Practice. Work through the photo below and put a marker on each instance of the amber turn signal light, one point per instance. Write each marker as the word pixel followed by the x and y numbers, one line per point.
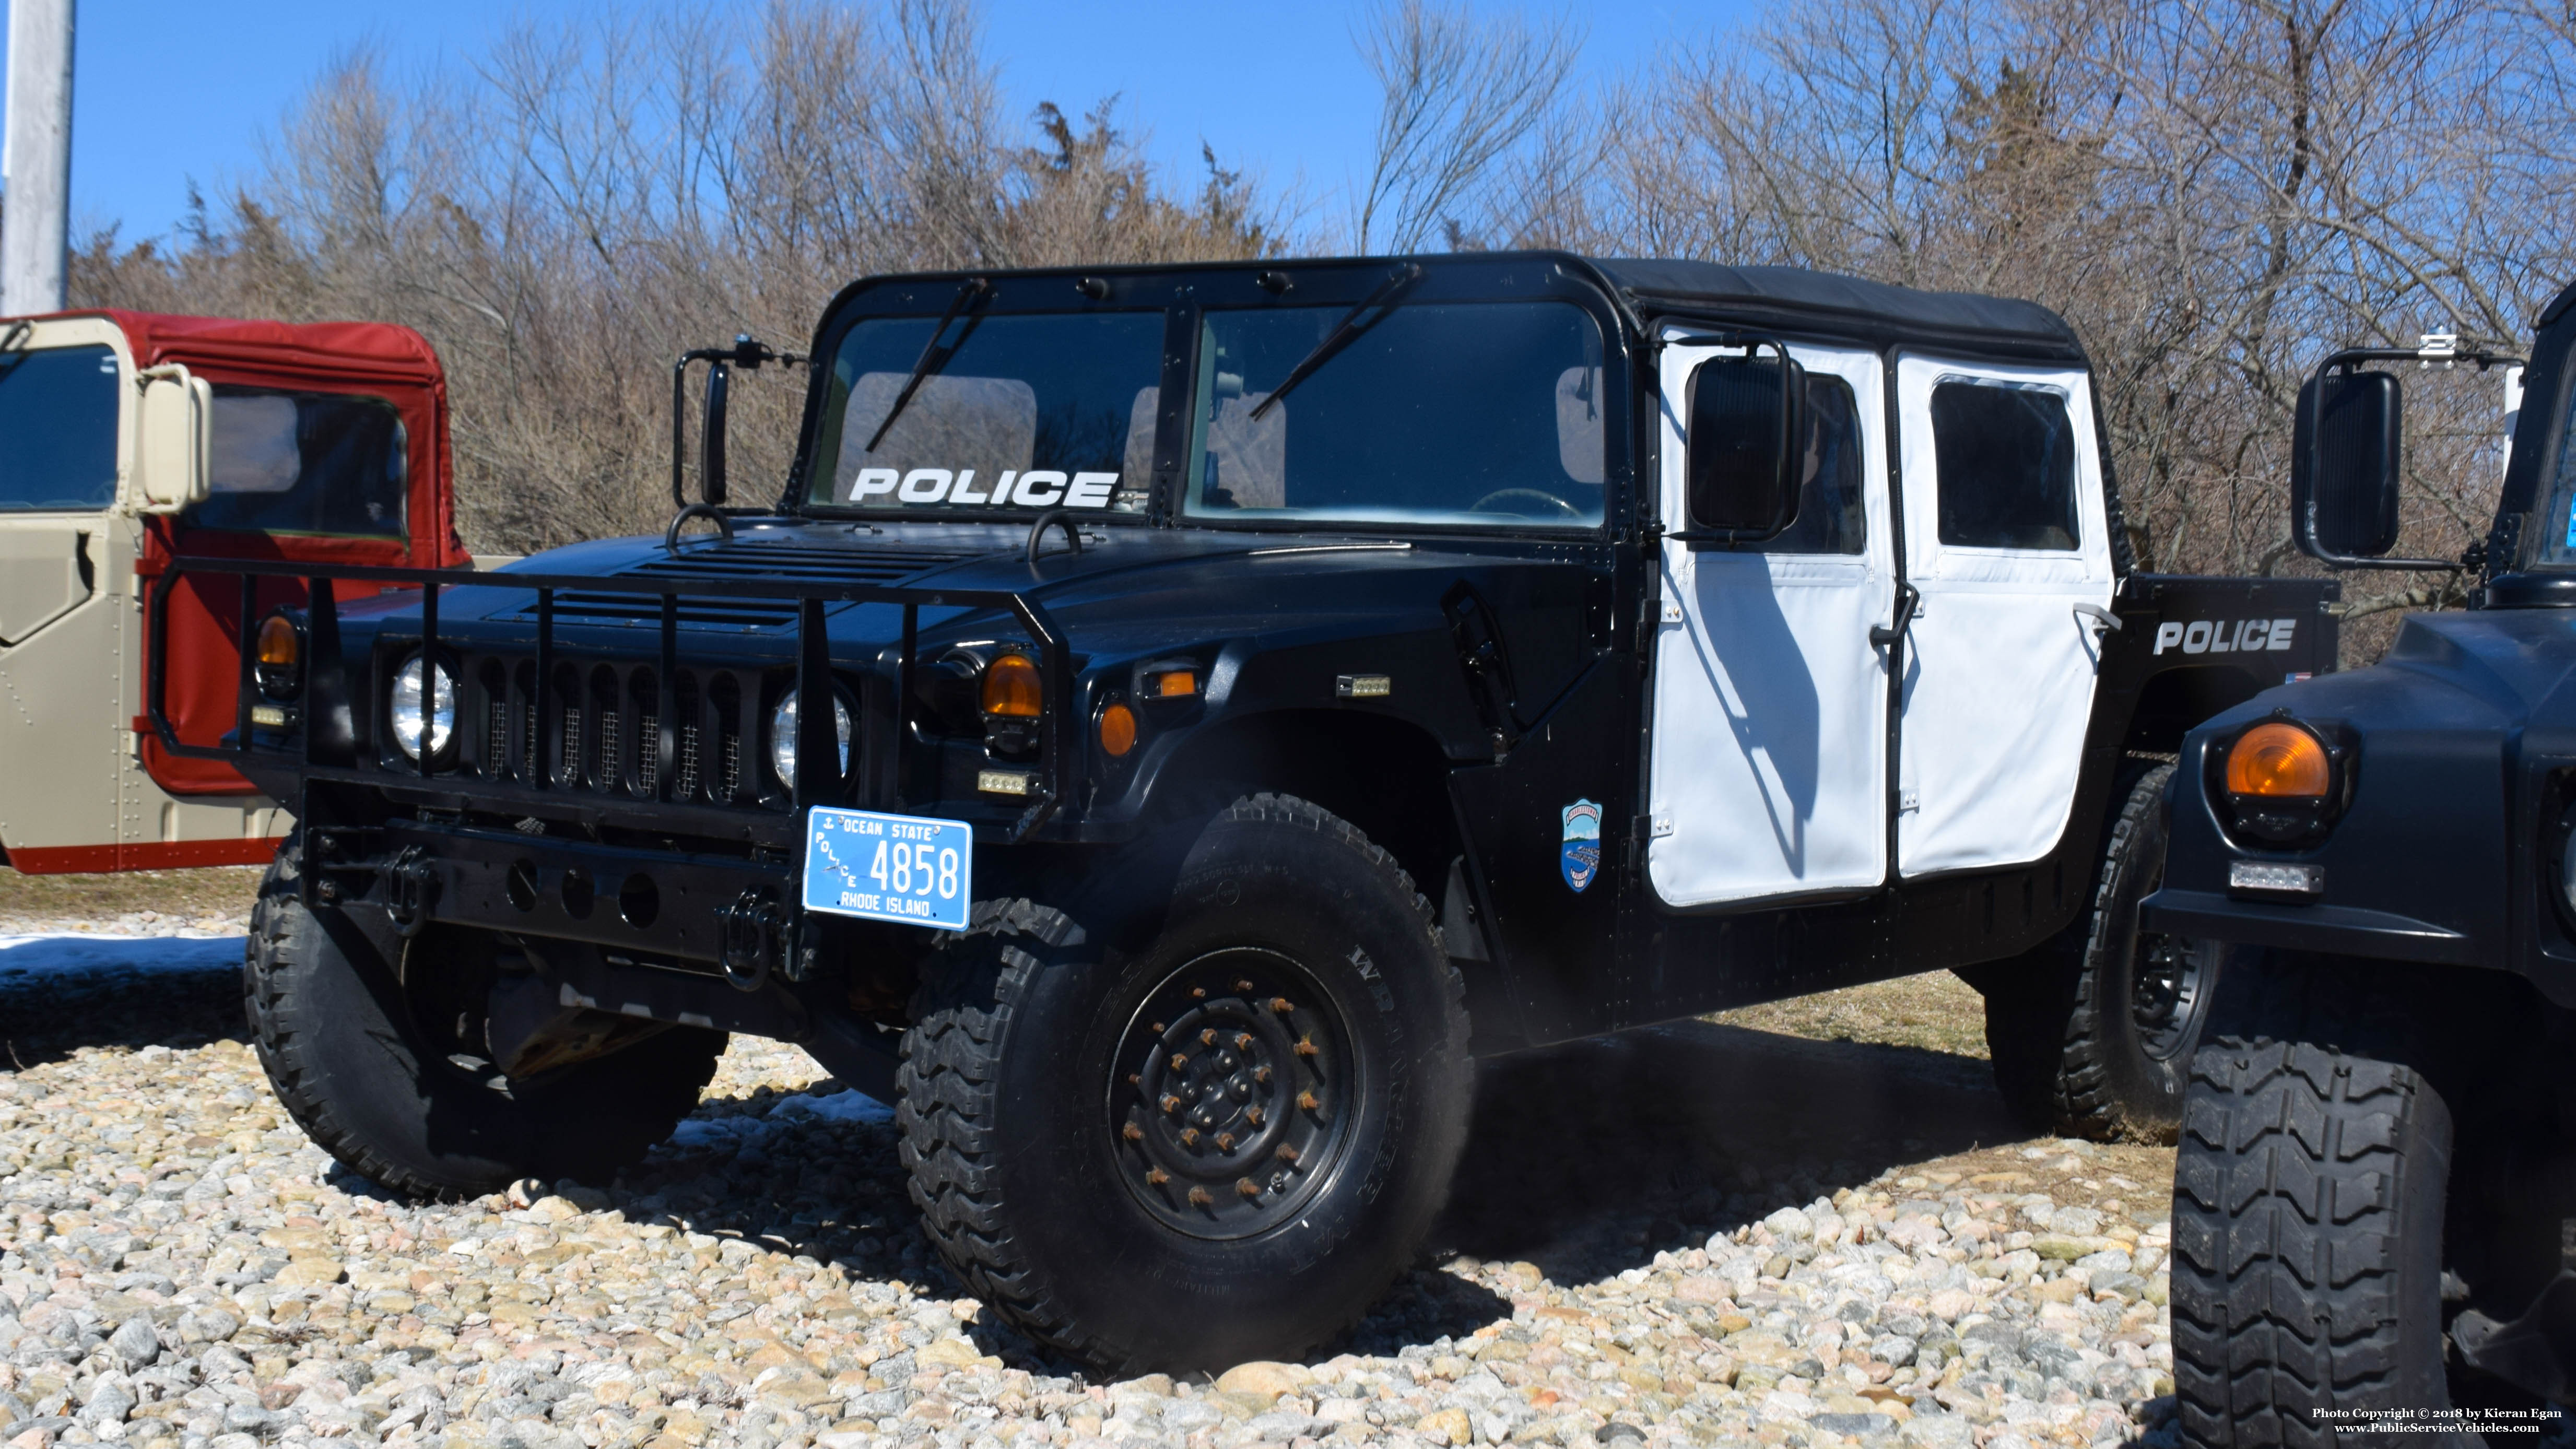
pixel 1174 683
pixel 279 653
pixel 1012 689
pixel 1118 730
pixel 2275 760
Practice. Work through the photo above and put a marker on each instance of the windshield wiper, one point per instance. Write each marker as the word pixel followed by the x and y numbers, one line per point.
pixel 1342 332
pixel 932 359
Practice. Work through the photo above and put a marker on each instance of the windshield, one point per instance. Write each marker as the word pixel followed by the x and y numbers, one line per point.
pixel 1022 411
pixel 58 428
pixel 1470 413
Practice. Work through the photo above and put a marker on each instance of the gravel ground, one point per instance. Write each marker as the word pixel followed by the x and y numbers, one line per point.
pixel 1696 1234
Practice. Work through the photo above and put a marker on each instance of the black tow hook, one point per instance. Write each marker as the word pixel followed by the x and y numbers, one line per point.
pixel 410 881
pixel 752 938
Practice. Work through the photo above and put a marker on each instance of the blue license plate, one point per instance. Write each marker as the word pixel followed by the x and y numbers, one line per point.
pixel 901 868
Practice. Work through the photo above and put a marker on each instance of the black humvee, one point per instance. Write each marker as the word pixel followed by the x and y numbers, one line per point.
pixel 2375 1198
pixel 1254 692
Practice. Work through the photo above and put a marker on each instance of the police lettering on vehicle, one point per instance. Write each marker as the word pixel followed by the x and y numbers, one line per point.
pixel 2226 636
pixel 1036 488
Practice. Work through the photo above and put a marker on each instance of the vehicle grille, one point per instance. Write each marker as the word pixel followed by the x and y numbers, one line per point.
pixel 806 565
pixel 601 733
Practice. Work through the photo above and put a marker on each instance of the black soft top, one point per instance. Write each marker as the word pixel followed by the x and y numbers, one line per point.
pixel 1799 301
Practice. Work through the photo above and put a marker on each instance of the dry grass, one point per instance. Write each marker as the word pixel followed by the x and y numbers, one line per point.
pixel 191 894
pixel 1935 1012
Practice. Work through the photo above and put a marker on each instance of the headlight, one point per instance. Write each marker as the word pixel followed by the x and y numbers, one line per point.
pixel 279 655
pixel 405 707
pixel 782 737
pixel 2282 783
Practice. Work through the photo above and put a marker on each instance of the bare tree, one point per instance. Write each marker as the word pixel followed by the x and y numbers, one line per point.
pixel 1459 93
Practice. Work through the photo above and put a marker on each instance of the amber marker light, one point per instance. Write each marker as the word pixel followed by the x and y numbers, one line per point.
pixel 1118 730
pixel 2279 761
pixel 1012 689
pixel 279 653
pixel 1174 683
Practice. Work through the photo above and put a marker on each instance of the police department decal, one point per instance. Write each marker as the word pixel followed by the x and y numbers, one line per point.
pixel 1580 856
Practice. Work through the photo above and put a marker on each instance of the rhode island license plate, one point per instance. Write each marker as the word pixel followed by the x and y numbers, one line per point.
pixel 901 868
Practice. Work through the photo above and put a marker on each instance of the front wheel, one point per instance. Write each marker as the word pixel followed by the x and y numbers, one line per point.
pixel 370 1044
pixel 2307 1245
pixel 1215 1144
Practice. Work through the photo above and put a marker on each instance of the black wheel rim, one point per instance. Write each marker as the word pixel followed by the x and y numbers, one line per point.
pixel 1229 1094
pixel 2169 981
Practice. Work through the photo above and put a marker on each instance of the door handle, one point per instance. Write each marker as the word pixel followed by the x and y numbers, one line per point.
pixel 1908 602
pixel 2104 621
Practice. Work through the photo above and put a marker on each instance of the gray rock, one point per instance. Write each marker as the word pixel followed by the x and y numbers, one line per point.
pixel 882 1405
pixel 1279 1428
pixel 1894 1350
pixel 1853 1424
pixel 1937 1431
pixel 135 1342
pixel 1187 1416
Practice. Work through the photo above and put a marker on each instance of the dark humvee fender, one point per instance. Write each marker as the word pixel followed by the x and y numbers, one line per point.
pixel 1255 690
pixel 2375 1199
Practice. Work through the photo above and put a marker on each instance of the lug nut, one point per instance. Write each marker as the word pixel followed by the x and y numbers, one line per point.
pixel 1134 1080
pixel 1156 1176
pixel 1171 1104
pixel 1208 1037
pixel 1189 1137
pixel 1199 1197
pixel 1282 1005
pixel 1253 1115
pixel 1199 991
pixel 1225 1142
pixel 1261 1074
pixel 1309 1102
pixel 1243 1041
pixel 1155 1027
pixel 1245 985
pixel 1245 1186
pixel 1287 1153
pixel 1132 1132
pixel 1305 1046
pixel 1179 1061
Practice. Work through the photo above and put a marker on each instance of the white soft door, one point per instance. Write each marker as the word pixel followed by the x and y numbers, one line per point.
pixel 1769 764
pixel 2005 537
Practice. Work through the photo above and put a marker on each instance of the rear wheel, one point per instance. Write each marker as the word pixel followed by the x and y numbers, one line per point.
pixel 1215 1141
pixel 2092 1033
pixel 370 1043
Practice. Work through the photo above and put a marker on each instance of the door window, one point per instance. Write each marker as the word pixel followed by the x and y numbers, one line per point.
pixel 57 429
pixel 306 463
pixel 2006 459
pixel 1830 504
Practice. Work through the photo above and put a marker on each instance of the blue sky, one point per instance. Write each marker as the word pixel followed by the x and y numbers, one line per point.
pixel 168 92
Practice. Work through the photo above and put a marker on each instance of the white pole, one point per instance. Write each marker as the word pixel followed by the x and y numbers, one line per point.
pixel 36 166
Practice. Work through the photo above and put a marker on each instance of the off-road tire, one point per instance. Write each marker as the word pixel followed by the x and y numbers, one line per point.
pixel 1009 1138
pixel 2070 1056
pixel 356 1072
pixel 2307 1243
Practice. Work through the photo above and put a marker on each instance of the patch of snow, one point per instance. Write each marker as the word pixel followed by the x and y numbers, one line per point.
pixel 86 955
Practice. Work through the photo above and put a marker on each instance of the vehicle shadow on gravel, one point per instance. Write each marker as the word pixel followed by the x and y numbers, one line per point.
pixel 177 993
pixel 1589 1158
pixel 1585 1160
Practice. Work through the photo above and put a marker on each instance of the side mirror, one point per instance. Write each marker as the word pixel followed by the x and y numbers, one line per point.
pixel 1746 416
pixel 711 436
pixel 174 438
pixel 2344 465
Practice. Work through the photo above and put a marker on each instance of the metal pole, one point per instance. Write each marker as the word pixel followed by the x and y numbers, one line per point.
pixel 36 166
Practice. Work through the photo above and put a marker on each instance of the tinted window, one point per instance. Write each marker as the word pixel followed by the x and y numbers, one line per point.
pixel 1830 516
pixel 58 428
pixel 1484 413
pixel 306 462
pixel 2006 457
pixel 1026 411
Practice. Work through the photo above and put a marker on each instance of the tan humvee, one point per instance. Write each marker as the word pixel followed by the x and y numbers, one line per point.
pixel 127 439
